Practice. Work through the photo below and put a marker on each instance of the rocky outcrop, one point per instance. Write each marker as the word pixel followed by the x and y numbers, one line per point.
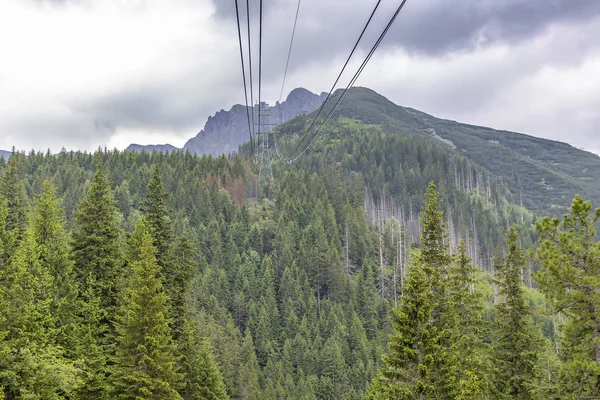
pixel 162 148
pixel 224 132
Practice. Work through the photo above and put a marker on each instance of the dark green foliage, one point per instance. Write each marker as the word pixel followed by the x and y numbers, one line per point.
pixel 422 360
pixel 51 237
pixel 408 371
pixel 154 208
pixel 145 361
pixel 570 257
pixel 285 298
pixel 517 340
pixel 12 190
pixel 468 328
pixel 96 249
pixel 203 379
pixel 32 363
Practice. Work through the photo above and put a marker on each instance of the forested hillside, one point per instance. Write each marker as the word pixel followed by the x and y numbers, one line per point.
pixel 376 266
pixel 542 174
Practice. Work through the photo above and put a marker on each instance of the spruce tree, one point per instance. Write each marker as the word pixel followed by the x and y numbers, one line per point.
pixel 54 254
pixel 176 262
pixel 202 378
pixel 436 257
pixel 187 266
pixel 248 382
pixel 96 249
pixel 468 327
pixel 97 261
pixel 408 370
pixel 94 356
pixel 154 208
pixel 569 254
pixel 4 301
pixel 145 361
pixel 33 365
pixel 517 343
pixel 12 189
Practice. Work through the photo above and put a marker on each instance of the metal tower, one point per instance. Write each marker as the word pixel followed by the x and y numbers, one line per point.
pixel 266 173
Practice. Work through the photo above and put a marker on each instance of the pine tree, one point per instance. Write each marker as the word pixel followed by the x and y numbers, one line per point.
pixel 4 301
pixel 248 387
pixel 435 251
pixel 12 189
pixel 436 257
pixel 569 254
pixel 146 363
pixel 154 208
pixel 176 263
pixel 468 327
pixel 50 235
pixel 516 348
pixel 33 365
pixel 203 380
pixel 96 250
pixel 184 257
pixel 93 354
pixel 407 372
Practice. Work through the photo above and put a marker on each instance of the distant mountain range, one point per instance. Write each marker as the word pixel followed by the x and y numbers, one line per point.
pixel 224 132
pixel 161 148
pixel 5 154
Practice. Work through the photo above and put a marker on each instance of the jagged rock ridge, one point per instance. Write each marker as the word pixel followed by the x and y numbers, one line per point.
pixel 227 130
pixel 224 132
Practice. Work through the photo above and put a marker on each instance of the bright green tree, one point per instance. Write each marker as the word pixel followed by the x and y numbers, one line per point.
pixel 468 327
pixel 569 254
pixel 51 237
pixel 146 362
pixel 33 366
pixel 517 342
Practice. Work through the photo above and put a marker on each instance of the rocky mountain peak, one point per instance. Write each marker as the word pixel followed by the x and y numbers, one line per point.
pixel 224 132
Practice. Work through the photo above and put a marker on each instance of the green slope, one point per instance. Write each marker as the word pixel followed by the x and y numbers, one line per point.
pixel 545 173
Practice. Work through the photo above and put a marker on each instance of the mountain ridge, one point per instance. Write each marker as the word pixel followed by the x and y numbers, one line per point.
pixel 225 131
pixel 558 169
pixel 161 148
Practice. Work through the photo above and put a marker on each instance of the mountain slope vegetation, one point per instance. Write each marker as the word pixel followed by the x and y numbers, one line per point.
pixel 543 172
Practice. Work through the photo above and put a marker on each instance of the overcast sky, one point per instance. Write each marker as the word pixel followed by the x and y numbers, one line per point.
pixel 89 73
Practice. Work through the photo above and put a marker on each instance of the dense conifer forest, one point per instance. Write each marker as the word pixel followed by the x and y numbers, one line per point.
pixel 378 266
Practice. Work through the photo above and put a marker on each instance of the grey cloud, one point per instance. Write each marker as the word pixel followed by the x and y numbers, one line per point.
pixel 169 104
pixel 424 27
